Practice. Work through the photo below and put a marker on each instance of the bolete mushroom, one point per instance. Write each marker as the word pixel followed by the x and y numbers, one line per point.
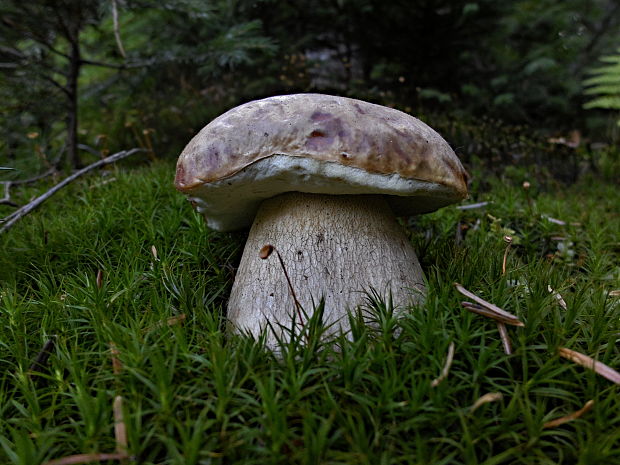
pixel 321 178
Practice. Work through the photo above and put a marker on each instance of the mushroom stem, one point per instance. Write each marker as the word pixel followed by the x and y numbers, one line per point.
pixel 334 247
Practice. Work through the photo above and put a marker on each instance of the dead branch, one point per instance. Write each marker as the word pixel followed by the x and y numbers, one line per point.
pixel 117 34
pixel 6 200
pixel 10 220
pixel 36 178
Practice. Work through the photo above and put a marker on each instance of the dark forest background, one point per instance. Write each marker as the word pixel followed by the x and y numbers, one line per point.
pixel 505 82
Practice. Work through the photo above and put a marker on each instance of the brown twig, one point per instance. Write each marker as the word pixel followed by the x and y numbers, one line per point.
pixel 120 429
pixel 446 368
pixel 480 310
pixel 558 297
pixel 10 220
pixel 485 399
pixel 588 362
pixel 571 416
pixel 503 334
pixel 487 309
pixel 86 458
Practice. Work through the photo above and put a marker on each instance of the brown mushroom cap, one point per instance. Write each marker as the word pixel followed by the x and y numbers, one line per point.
pixel 319 144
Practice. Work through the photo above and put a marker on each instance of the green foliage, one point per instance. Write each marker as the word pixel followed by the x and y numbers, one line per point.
pixel 604 85
pixel 194 393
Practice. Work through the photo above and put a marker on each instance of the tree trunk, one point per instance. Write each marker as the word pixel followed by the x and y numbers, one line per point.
pixel 75 63
pixel 333 247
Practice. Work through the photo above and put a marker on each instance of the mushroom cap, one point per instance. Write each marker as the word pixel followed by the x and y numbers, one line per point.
pixel 316 143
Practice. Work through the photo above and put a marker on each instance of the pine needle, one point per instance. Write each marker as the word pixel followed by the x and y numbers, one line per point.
pixel 492 311
pixel 446 368
pixel 485 399
pixel 558 297
pixel 571 416
pixel 588 362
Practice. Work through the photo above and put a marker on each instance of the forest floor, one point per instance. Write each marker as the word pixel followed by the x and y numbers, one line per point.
pixel 115 289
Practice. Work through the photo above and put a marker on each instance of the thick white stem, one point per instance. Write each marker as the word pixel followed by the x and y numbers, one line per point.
pixel 335 247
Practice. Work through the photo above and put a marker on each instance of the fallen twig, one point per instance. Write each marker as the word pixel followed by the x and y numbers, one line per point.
pixel 6 200
pixel 571 416
pixel 559 222
pixel 86 458
pixel 10 220
pixel 480 310
pixel 503 334
pixel 446 368
pixel 487 309
pixel 588 362
pixel 485 399
pixel 120 429
pixel 558 297
pixel 472 206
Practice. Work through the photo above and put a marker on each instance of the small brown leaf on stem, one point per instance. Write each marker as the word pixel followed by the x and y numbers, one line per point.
pixel 446 368
pixel 99 279
pixel 265 251
pixel 485 399
pixel 571 416
pixel 508 318
pixel 588 362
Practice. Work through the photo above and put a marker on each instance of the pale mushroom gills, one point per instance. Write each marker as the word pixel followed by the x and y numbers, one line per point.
pixel 322 179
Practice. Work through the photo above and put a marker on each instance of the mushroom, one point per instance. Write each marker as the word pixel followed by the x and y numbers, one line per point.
pixel 320 178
